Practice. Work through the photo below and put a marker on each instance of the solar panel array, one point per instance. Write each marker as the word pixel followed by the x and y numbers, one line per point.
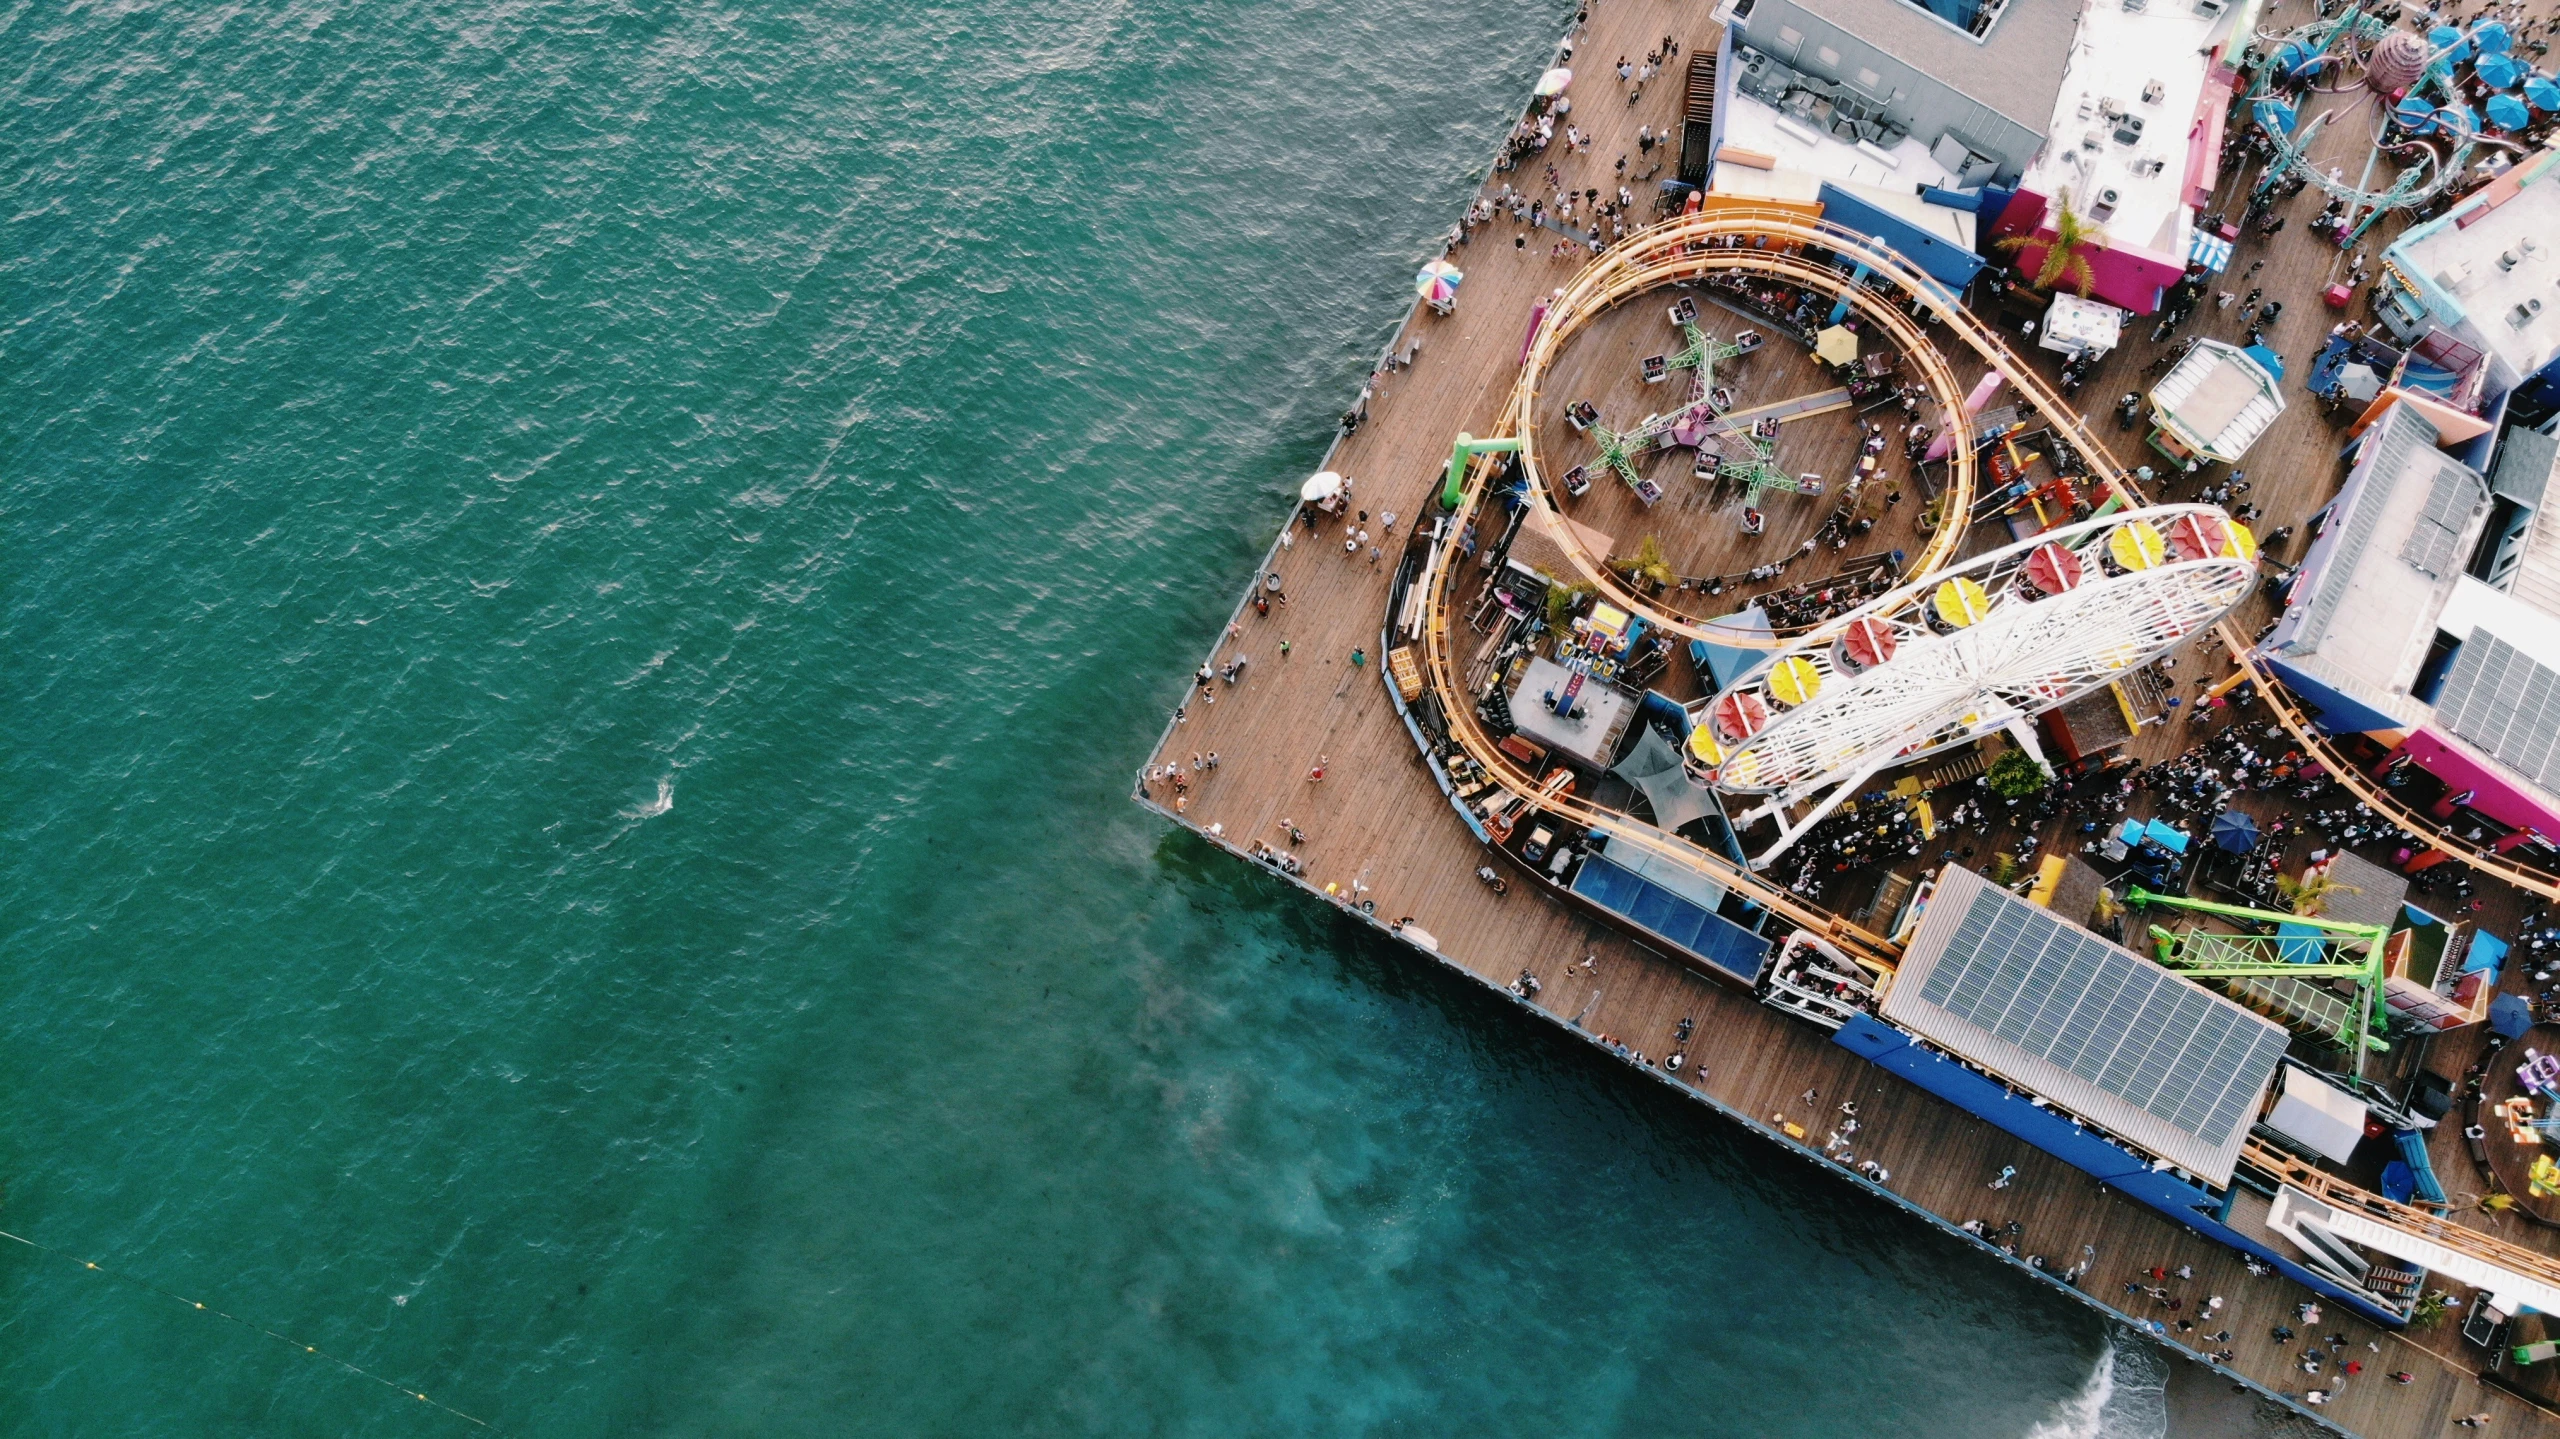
pixel 2433 545
pixel 2167 1064
pixel 2501 700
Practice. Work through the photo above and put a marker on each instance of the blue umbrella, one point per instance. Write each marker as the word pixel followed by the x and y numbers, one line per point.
pixel 2499 72
pixel 2416 113
pixel 2234 832
pixel 2542 93
pixel 2458 121
pixel 2492 37
pixel 2509 1016
pixel 2450 42
pixel 2508 113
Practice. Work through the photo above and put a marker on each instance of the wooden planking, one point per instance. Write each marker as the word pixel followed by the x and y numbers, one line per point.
pixel 1378 829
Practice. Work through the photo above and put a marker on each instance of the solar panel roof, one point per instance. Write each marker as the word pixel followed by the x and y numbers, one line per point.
pixel 2500 699
pixel 2099 1031
pixel 2435 538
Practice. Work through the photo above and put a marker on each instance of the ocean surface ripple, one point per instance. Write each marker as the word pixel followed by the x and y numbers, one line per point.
pixel 583 586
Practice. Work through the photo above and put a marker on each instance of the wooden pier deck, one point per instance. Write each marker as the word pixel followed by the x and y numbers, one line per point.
pixel 1309 739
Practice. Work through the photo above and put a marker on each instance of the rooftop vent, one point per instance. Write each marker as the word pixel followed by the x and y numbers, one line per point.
pixel 2522 315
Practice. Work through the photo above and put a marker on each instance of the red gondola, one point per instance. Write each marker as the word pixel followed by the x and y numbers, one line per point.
pixel 1866 643
pixel 1739 715
pixel 2051 570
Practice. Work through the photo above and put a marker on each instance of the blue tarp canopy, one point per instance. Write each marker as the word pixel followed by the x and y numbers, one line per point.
pixel 1684 922
pixel 1941 257
pixel 2301 943
pixel 2135 831
pixel 2487 952
pixel 1726 663
pixel 2267 360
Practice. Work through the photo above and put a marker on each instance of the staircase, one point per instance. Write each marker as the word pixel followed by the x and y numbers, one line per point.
pixel 1698 118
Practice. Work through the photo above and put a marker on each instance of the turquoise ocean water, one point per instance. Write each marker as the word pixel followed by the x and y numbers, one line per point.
pixel 582 587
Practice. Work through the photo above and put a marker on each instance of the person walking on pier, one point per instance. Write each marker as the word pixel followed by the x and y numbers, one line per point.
pixel 2008 1172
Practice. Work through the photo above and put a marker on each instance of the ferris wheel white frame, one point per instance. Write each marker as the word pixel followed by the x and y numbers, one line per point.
pixel 2022 658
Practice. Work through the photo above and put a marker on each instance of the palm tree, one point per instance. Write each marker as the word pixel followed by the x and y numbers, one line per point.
pixel 2075 237
pixel 2309 895
pixel 1647 564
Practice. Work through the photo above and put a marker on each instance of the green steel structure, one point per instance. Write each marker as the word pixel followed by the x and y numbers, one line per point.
pixel 2336 950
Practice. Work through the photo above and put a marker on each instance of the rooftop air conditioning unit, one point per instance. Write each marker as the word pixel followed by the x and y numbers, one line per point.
pixel 2454 276
pixel 2508 259
pixel 2135 7
pixel 2522 315
pixel 2106 205
pixel 2129 130
pixel 2212 8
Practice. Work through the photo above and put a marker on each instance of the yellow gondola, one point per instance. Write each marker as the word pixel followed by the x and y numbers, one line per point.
pixel 2136 546
pixel 1794 680
pixel 1703 747
pixel 1960 602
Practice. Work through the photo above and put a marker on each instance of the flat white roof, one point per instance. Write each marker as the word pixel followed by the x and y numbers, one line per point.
pixel 2219 398
pixel 2117 57
pixel 2463 256
pixel 1755 125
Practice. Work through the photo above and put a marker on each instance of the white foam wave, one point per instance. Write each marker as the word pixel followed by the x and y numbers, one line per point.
pixel 2126 1396
pixel 665 801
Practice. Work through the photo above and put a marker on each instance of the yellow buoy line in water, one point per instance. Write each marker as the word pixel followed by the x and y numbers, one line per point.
pixel 140 1283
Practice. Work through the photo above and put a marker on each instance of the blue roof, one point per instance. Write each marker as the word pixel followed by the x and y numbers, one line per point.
pixel 1691 926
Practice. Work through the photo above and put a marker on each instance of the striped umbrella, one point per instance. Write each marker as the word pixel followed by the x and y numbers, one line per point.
pixel 1438 282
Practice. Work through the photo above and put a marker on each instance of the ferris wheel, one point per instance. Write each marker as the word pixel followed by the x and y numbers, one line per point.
pixel 1984 645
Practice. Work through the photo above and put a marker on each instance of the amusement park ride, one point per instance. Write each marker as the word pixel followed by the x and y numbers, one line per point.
pixel 1745 456
pixel 2285 966
pixel 1986 645
pixel 2407 88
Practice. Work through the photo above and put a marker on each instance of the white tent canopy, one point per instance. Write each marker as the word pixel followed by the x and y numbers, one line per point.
pixel 2318 1115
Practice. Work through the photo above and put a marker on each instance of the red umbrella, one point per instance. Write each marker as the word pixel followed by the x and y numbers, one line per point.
pixel 2198 536
pixel 2053 570
pixel 1867 642
pixel 1739 715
